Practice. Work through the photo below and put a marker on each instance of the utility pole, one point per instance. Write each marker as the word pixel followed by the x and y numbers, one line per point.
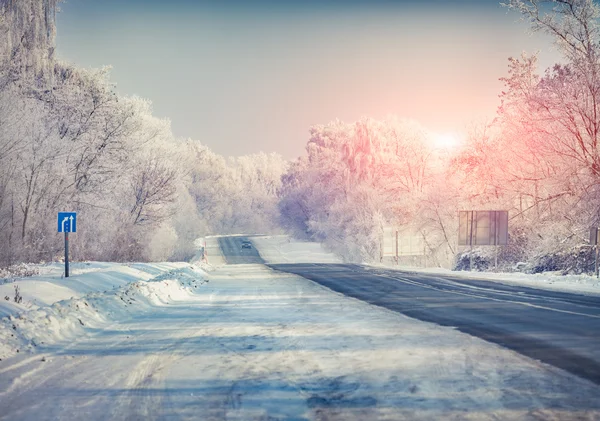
pixel 594 242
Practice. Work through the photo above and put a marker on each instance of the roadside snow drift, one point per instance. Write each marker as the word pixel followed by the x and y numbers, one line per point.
pixel 41 319
pixel 50 286
pixel 577 284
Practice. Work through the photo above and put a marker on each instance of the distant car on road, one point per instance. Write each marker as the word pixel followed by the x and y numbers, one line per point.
pixel 246 245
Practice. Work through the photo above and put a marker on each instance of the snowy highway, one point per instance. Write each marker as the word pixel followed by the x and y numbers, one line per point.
pixel 233 252
pixel 253 343
pixel 558 328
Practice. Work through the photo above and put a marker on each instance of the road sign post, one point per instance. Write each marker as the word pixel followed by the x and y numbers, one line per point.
pixel 397 254
pixel 67 222
pixel 594 234
pixel 471 242
pixel 66 254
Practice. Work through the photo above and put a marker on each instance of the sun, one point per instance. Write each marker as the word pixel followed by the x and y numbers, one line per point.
pixel 445 140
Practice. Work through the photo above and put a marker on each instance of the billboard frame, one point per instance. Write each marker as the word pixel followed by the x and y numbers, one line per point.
pixel 482 228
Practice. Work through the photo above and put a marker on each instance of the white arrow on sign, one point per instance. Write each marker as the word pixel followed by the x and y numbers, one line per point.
pixel 65 219
pixel 71 224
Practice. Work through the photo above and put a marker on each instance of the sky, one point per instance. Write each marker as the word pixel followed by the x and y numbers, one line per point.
pixel 249 76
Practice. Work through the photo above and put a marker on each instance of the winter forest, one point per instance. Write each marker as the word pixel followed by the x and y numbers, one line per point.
pixel 69 142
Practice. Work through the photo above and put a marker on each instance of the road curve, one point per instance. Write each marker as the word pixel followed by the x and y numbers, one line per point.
pixel 557 328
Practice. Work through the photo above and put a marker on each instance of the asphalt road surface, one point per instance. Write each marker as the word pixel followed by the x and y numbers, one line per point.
pixel 557 328
pixel 234 254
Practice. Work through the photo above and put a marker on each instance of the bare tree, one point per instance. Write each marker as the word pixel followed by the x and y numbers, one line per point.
pixel 154 189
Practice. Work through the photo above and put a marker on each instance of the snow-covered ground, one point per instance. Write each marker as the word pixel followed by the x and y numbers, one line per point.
pixel 581 284
pixel 244 342
pixel 214 257
pixel 253 344
pixel 282 249
pixel 51 286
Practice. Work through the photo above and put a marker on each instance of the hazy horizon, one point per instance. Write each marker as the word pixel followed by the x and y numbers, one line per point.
pixel 243 78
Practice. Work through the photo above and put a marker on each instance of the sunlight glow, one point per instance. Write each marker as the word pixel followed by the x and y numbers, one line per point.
pixel 445 140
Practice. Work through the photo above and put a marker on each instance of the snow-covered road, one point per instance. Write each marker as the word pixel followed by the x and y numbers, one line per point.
pixel 253 344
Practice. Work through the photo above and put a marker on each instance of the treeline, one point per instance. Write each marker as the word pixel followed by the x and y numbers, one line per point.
pixel 539 159
pixel 68 142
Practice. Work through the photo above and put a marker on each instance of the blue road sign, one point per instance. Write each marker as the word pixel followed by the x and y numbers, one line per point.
pixel 67 222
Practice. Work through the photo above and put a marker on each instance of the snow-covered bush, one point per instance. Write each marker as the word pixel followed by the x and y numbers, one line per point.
pixel 479 259
pixel 577 260
pixel 20 270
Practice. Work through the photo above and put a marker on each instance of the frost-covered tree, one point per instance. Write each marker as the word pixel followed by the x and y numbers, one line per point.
pixel 238 195
pixel 358 178
pixel 69 142
pixel 548 153
pixel 27 43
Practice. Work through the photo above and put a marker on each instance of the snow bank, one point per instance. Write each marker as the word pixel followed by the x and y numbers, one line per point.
pixel 138 288
pixel 214 256
pixel 278 249
pixel 50 286
pixel 580 284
